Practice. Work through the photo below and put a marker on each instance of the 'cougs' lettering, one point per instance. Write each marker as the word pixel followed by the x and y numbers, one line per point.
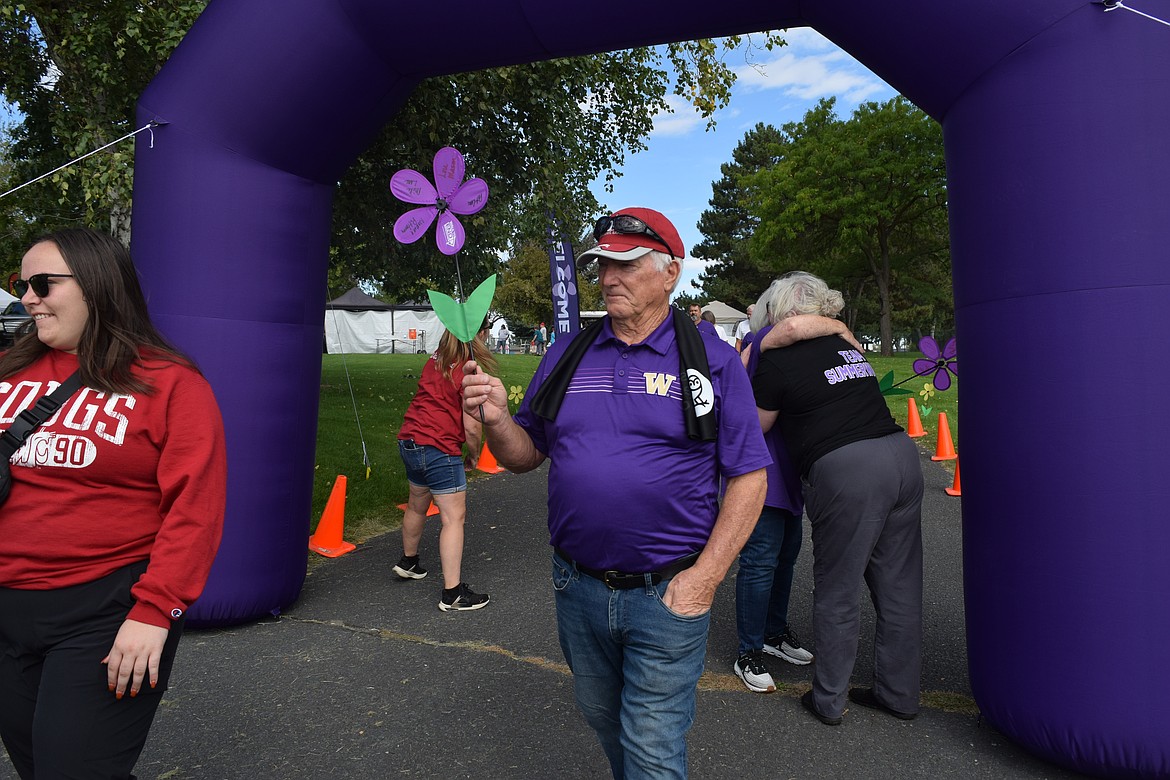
pixel 100 413
pixel 88 411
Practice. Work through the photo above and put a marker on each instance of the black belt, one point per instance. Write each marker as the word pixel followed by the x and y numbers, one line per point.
pixel 618 580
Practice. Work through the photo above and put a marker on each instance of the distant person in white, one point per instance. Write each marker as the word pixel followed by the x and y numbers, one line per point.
pixel 742 329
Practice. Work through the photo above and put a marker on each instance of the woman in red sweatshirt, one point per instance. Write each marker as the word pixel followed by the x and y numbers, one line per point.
pixel 114 515
pixel 430 443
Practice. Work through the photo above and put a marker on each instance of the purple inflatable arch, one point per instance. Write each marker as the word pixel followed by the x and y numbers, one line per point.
pixel 1055 116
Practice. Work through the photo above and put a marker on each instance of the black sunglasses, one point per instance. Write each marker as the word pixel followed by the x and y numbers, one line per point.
pixel 38 282
pixel 624 223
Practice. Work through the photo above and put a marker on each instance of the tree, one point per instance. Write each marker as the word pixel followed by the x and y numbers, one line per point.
pixel 24 213
pixel 75 69
pixel 539 133
pixel 732 275
pixel 860 202
pixel 523 291
pixel 548 131
pixel 683 300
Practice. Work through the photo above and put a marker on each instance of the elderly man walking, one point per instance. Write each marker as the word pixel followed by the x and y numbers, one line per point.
pixel 640 416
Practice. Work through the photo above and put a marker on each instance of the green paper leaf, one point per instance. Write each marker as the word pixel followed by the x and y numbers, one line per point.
pixel 464 319
pixel 885 384
pixel 927 410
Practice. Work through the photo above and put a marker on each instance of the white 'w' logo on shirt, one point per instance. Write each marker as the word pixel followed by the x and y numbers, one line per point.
pixel 658 384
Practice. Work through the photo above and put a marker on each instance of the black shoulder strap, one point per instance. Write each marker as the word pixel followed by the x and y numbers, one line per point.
pixel 547 401
pixel 692 356
pixel 32 418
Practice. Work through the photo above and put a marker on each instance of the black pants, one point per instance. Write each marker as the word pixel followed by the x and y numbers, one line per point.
pixel 58 717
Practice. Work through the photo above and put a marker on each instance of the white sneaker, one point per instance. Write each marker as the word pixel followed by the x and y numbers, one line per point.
pixel 750 668
pixel 787 646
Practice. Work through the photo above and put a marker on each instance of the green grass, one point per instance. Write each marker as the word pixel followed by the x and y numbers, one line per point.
pixel 383 386
pixel 947 403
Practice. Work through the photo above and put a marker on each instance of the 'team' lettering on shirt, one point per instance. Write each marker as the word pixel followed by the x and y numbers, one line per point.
pixel 855 367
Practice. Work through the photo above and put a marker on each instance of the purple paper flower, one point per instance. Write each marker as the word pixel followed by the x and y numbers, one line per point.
pixel 450 195
pixel 943 363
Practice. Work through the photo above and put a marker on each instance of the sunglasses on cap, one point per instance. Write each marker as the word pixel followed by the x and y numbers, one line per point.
pixel 38 282
pixel 625 223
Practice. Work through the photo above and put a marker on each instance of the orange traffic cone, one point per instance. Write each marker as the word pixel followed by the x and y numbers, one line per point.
pixel 914 427
pixel 955 490
pixel 944 450
pixel 327 541
pixel 431 510
pixel 487 461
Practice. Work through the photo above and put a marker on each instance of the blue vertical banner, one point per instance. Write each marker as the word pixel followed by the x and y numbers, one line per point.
pixel 566 318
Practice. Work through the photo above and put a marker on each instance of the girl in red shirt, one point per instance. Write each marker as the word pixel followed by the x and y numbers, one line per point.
pixel 430 442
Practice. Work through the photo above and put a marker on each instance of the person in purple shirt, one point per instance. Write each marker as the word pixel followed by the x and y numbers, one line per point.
pixel 704 321
pixel 707 324
pixel 640 416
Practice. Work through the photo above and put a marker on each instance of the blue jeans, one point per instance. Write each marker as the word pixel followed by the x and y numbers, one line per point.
pixel 764 581
pixel 635 668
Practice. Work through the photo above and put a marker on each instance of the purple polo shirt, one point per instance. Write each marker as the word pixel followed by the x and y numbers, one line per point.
pixel 707 328
pixel 627 490
pixel 784 488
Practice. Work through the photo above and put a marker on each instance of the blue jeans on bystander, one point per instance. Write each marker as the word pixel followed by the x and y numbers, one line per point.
pixel 763 583
pixel 635 666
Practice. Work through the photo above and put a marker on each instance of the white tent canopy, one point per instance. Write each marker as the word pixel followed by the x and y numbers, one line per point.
pixel 725 314
pixel 727 318
pixel 356 323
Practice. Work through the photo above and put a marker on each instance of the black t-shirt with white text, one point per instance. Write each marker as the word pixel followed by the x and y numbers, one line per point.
pixel 827 395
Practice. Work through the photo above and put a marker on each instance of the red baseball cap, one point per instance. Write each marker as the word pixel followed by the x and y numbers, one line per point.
pixel 627 246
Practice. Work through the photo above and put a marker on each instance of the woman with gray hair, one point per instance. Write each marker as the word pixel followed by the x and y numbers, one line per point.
pixel 863 496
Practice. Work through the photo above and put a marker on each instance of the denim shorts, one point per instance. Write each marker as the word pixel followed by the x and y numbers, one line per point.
pixel 431 468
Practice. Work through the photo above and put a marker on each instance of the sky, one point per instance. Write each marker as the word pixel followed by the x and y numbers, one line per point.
pixel 675 173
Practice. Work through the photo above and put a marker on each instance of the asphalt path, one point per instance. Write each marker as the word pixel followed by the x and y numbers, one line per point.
pixel 364 677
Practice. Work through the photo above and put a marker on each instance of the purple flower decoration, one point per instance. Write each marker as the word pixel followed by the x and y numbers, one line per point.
pixel 943 363
pixel 449 196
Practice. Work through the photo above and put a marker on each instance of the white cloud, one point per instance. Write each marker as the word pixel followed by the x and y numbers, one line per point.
pixel 683 120
pixel 811 67
pixel 806 39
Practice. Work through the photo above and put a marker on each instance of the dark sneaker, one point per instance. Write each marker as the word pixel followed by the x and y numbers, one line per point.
pixel 806 701
pixel 750 668
pixel 410 568
pixel 462 598
pixel 867 698
pixel 787 646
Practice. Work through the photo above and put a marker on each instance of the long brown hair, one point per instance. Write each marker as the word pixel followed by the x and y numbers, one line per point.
pixel 451 351
pixel 118 332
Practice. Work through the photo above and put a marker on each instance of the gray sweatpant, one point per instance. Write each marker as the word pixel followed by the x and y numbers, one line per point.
pixel 864 503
